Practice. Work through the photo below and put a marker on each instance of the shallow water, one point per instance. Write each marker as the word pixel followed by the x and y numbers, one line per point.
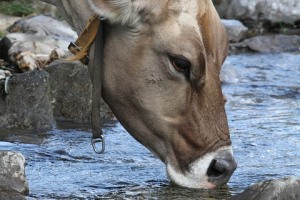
pixel 263 92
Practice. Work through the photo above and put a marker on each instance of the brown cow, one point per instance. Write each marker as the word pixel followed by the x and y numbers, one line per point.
pixel 162 60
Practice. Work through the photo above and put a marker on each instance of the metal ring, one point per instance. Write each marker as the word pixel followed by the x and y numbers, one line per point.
pixel 99 140
pixel 6 85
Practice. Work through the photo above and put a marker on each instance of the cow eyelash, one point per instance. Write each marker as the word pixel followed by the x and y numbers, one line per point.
pixel 181 64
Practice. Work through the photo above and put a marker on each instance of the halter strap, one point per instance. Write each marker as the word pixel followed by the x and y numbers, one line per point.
pixel 92 37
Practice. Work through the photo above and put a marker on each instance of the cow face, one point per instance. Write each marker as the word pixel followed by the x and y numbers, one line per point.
pixel 161 79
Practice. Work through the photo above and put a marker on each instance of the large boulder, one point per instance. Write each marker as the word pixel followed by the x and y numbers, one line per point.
pixel 40 35
pixel 287 188
pixel 71 92
pixel 274 11
pixel 42 25
pixel 44 45
pixel 12 174
pixel 26 102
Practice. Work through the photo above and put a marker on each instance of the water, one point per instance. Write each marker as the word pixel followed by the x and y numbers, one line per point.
pixel 263 92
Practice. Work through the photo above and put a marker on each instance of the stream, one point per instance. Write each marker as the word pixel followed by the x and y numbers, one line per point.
pixel 263 109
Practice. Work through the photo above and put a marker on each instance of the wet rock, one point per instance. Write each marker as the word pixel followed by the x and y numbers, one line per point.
pixel 27 104
pixel 271 43
pixel 288 188
pixel 274 11
pixel 235 29
pixel 12 174
pixel 71 92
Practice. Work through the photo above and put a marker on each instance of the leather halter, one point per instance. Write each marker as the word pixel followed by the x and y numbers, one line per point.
pixel 92 37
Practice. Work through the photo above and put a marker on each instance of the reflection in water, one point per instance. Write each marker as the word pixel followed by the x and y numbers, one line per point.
pixel 263 108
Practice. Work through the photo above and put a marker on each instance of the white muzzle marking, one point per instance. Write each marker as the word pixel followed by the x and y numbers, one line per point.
pixel 196 177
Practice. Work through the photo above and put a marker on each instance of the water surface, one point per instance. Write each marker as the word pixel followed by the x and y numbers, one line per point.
pixel 263 92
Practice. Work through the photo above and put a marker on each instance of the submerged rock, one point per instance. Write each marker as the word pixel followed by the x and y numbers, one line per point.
pixel 12 174
pixel 287 188
pixel 26 102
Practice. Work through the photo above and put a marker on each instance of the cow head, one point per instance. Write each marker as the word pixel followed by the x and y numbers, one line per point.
pixel 161 71
pixel 161 79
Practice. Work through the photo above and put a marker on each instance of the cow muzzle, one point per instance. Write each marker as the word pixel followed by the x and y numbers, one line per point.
pixel 208 172
pixel 221 168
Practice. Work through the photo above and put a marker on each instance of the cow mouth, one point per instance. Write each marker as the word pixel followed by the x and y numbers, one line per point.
pixel 208 172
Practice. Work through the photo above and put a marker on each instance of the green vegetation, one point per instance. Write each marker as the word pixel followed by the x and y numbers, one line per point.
pixel 18 7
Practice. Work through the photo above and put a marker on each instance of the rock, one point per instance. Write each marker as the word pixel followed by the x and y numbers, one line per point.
pixel 27 104
pixel 42 26
pixel 274 11
pixel 39 35
pixel 5 45
pixel 271 43
pixel 71 92
pixel 288 188
pixel 6 21
pixel 35 44
pixel 11 196
pixel 235 29
pixel 12 174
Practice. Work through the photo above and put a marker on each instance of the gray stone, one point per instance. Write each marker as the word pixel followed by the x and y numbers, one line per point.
pixel 271 43
pixel 40 35
pixel 71 92
pixel 235 29
pixel 287 11
pixel 12 173
pixel 288 188
pixel 6 21
pixel 27 104
pixel 42 26
pixel 35 44
pixel 11 196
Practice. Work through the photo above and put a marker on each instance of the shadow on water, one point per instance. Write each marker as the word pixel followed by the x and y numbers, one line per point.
pixel 263 92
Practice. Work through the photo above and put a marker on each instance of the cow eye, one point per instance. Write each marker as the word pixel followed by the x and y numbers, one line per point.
pixel 181 64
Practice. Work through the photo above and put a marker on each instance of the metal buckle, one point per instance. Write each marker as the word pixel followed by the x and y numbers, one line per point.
pixel 101 140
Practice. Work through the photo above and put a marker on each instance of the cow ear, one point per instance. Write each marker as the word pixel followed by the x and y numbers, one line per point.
pixel 214 35
pixel 127 11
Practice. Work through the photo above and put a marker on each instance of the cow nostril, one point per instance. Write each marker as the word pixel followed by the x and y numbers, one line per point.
pixel 215 169
pixel 220 170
